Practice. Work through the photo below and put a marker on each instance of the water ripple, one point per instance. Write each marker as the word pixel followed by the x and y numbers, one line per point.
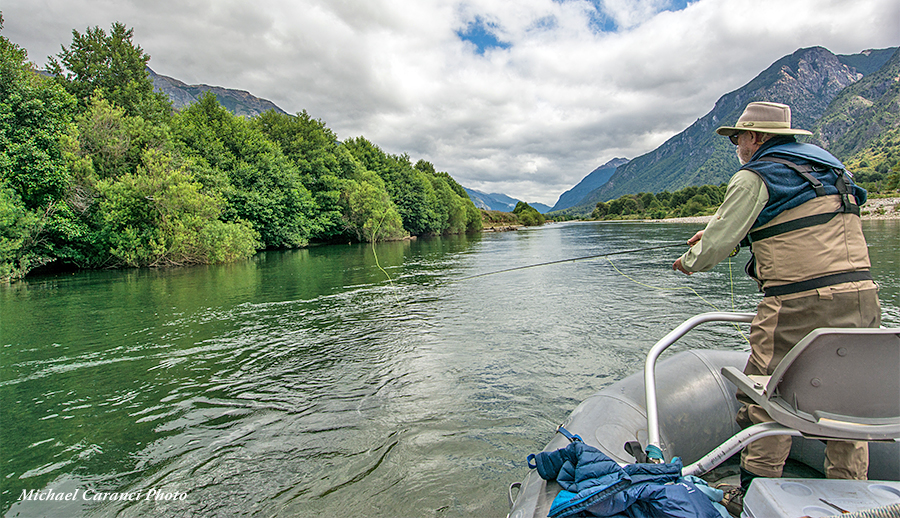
pixel 305 383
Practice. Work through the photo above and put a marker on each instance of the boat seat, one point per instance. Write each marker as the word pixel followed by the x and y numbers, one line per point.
pixel 835 383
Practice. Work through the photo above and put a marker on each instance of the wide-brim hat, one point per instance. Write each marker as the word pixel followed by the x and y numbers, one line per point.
pixel 764 117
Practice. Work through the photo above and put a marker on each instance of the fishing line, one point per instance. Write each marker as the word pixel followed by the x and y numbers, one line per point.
pixel 620 272
pixel 623 274
pixel 378 264
pixel 560 261
pixel 607 256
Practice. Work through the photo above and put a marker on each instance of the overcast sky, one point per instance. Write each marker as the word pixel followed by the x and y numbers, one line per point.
pixel 521 97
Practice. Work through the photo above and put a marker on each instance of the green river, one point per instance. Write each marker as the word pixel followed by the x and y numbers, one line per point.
pixel 317 383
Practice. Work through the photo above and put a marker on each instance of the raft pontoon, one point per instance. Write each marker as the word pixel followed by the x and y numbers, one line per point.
pixel 835 383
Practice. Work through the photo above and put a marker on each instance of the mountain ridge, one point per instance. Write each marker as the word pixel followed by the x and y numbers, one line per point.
pixel 238 102
pixel 498 201
pixel 594 180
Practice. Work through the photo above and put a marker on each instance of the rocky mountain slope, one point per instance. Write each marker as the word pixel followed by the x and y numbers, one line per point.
pixel 596 179
pixel 237 102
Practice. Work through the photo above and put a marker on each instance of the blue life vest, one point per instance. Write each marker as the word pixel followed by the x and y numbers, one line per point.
pixel 795 173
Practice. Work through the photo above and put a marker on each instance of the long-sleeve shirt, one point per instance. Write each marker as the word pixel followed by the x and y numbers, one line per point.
pixel 745 197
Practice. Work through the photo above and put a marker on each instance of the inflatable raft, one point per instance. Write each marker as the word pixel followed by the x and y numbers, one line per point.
pixel 692 416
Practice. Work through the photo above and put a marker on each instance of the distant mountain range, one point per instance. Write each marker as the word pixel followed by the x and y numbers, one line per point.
pixel 237 102
pixel 846 100
pixel 594 180
pixel 499 202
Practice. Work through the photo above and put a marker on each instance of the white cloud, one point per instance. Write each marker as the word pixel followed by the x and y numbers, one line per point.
pixel 529 120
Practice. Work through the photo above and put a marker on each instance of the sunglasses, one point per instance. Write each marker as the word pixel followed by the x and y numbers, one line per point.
pixel 734 138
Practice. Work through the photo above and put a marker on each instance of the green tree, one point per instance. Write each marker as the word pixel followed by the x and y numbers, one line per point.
pixel 323 163
pixel 648 199
pixel 35 115
pixel 697 204
pixel 114 141
pixel 370 213
pixel 108 144
pixel 410 189
pixel 528 215
pixel 114 65
pixel 35 124
pixel 259 184
pixel 159 216
pixel 473 215
pixel 451 208
pixel 893 180
pixel 631 205
pixel 615 207
pixel 18 228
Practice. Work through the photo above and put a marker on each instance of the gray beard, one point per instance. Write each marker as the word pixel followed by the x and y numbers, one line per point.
pixel 738 153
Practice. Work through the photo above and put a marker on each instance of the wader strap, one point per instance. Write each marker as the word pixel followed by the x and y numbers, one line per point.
pixel 845 188
pixel 802 170
pixel 794 224
pixel 818 282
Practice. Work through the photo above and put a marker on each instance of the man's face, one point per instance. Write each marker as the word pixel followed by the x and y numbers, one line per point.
pixel 746 146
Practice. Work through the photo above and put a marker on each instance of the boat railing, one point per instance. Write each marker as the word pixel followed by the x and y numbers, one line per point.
pixel 865 353
pixel 654 445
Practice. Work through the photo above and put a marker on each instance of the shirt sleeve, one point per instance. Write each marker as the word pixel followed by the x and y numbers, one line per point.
pixel 745 197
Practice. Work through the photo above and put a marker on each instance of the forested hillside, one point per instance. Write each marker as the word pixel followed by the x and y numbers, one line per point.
pixel 97 170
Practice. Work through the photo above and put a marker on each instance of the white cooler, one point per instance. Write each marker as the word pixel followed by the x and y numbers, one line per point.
pixel 793 498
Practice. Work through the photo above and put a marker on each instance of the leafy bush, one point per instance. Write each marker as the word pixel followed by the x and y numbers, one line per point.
pixel 528 215
pixel 160 217
pixel 259 184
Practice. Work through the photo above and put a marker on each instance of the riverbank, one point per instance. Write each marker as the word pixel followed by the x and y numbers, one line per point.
pixel 874 208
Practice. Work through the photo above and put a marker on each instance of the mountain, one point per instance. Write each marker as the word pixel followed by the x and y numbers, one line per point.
pixel 492 201
pixel 862 111
pixel 868 61
pixel 501 202
pixel 592 181
pixel 237 102
pixel 808 80
pixel 540 207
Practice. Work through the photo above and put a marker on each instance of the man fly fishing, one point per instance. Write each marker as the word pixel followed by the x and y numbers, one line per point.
pixel 798 209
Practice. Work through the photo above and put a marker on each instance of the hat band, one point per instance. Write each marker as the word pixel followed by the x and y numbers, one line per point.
pixel 764 124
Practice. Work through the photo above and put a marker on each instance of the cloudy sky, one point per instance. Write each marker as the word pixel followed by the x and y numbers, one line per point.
pixel 520 97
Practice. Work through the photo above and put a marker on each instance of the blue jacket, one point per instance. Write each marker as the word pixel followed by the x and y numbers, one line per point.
pixel 595 485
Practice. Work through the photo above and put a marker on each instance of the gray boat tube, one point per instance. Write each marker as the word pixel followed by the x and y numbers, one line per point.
pixel 697 409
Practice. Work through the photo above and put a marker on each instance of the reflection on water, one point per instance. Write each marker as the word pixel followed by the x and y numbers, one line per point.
pixel 307 383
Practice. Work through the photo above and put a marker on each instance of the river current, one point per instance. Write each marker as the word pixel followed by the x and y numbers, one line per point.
pixel 340 380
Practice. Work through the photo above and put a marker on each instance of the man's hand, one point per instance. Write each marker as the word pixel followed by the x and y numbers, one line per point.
pixel 692 241
pixel 696 237
pixel 679 267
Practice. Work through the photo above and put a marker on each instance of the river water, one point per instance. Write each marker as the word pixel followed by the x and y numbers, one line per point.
pixel 340 380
